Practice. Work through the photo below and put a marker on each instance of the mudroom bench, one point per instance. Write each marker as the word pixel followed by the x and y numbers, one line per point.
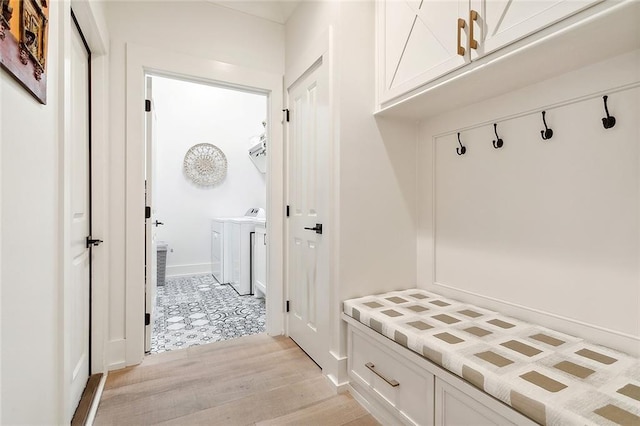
pixel 415 357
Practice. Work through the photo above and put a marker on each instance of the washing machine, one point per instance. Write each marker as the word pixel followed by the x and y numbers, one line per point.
pixel 231 249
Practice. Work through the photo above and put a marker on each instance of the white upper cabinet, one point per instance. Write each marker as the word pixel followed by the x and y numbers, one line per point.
pixel 422 40
pixel 419 42
pixel 500 22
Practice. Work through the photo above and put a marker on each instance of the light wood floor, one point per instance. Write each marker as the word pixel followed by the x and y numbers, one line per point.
pixel 252 380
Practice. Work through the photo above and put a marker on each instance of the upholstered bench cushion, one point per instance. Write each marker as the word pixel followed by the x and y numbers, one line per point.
pixel 550 377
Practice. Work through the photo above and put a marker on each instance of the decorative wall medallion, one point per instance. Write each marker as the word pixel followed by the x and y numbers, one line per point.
pixel 205 164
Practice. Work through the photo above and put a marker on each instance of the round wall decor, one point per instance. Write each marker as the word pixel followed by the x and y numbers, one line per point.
pixel 205 164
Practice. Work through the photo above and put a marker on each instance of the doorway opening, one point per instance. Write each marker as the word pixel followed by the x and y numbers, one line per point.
pixel 206 192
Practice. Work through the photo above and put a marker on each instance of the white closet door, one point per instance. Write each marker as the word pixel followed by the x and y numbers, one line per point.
pixel 79 222
pixel 308 194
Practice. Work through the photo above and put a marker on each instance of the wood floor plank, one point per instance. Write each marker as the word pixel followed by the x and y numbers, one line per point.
pixel 239 382
pixel 334 411
pixel 223 359
pixel 218 388
pixel 274 403
pixel 366 420
pixel 82 411
pixel 167 373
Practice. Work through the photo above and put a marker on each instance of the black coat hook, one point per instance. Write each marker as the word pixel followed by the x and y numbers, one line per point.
pixel 463 149
pixel 499 142
pixel 547 133
pixel 609 121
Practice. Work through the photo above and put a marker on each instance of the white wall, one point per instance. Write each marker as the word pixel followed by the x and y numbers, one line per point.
pixel 31 354
pixel 33 170
pixel 374 170
pixel 199 29
pixel 377 171
pixel 188 114
pixel 546 231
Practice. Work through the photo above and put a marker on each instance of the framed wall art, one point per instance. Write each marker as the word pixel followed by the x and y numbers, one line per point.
pixel 24 26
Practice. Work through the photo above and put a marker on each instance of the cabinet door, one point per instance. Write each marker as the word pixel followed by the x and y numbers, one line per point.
pixel 216 256
pixel 260 262
pixel 418 42
pixel 235 256
pixel 501 22
pixel 457 403
pixel 401 386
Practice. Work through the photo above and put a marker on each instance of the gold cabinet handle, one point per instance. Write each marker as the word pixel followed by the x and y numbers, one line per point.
pixel 473 17
pixel 391 382
pixel 461 25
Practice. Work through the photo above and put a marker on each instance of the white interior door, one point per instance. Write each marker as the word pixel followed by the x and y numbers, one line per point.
pixel 79 222
pixel 151 245
pixel 308 197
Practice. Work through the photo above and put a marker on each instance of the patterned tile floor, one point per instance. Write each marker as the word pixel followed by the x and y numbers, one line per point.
pixel 195 310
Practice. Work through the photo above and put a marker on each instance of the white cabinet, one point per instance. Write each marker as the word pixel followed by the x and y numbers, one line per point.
pixel 398 385
pixel 235 255
pixel 239 234
pixel 501 22
pixel 218 251
pixel 419 41
pixel 216 255
pixel 457 407
pixel 260 262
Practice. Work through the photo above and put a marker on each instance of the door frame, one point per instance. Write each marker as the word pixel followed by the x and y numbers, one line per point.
pixel 141 61
pixel 96 39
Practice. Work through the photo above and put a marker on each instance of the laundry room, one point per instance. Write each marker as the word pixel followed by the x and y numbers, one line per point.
pixel 206 188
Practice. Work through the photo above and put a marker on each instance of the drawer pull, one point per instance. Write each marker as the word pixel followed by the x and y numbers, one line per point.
pixel 391 382
pixel 461 25
pixel 473 17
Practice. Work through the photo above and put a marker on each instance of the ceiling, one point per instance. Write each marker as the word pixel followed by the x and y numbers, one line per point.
pixel 276 11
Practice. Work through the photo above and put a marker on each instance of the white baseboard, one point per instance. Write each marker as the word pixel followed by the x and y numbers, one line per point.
pixel 374 408
pixel 336 372
pixel 590 332
pixel 338 387
pixel 194 269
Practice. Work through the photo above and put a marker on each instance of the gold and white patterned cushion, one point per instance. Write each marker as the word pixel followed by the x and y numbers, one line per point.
pixel 551 377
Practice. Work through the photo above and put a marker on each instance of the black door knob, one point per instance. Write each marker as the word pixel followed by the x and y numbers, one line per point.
pixel 156 223
pixel 93 243
pixel 317 228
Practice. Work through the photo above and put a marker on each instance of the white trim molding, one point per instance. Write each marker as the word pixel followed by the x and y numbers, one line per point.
pixel 193 269
pixel 612 338
pixel 339 378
